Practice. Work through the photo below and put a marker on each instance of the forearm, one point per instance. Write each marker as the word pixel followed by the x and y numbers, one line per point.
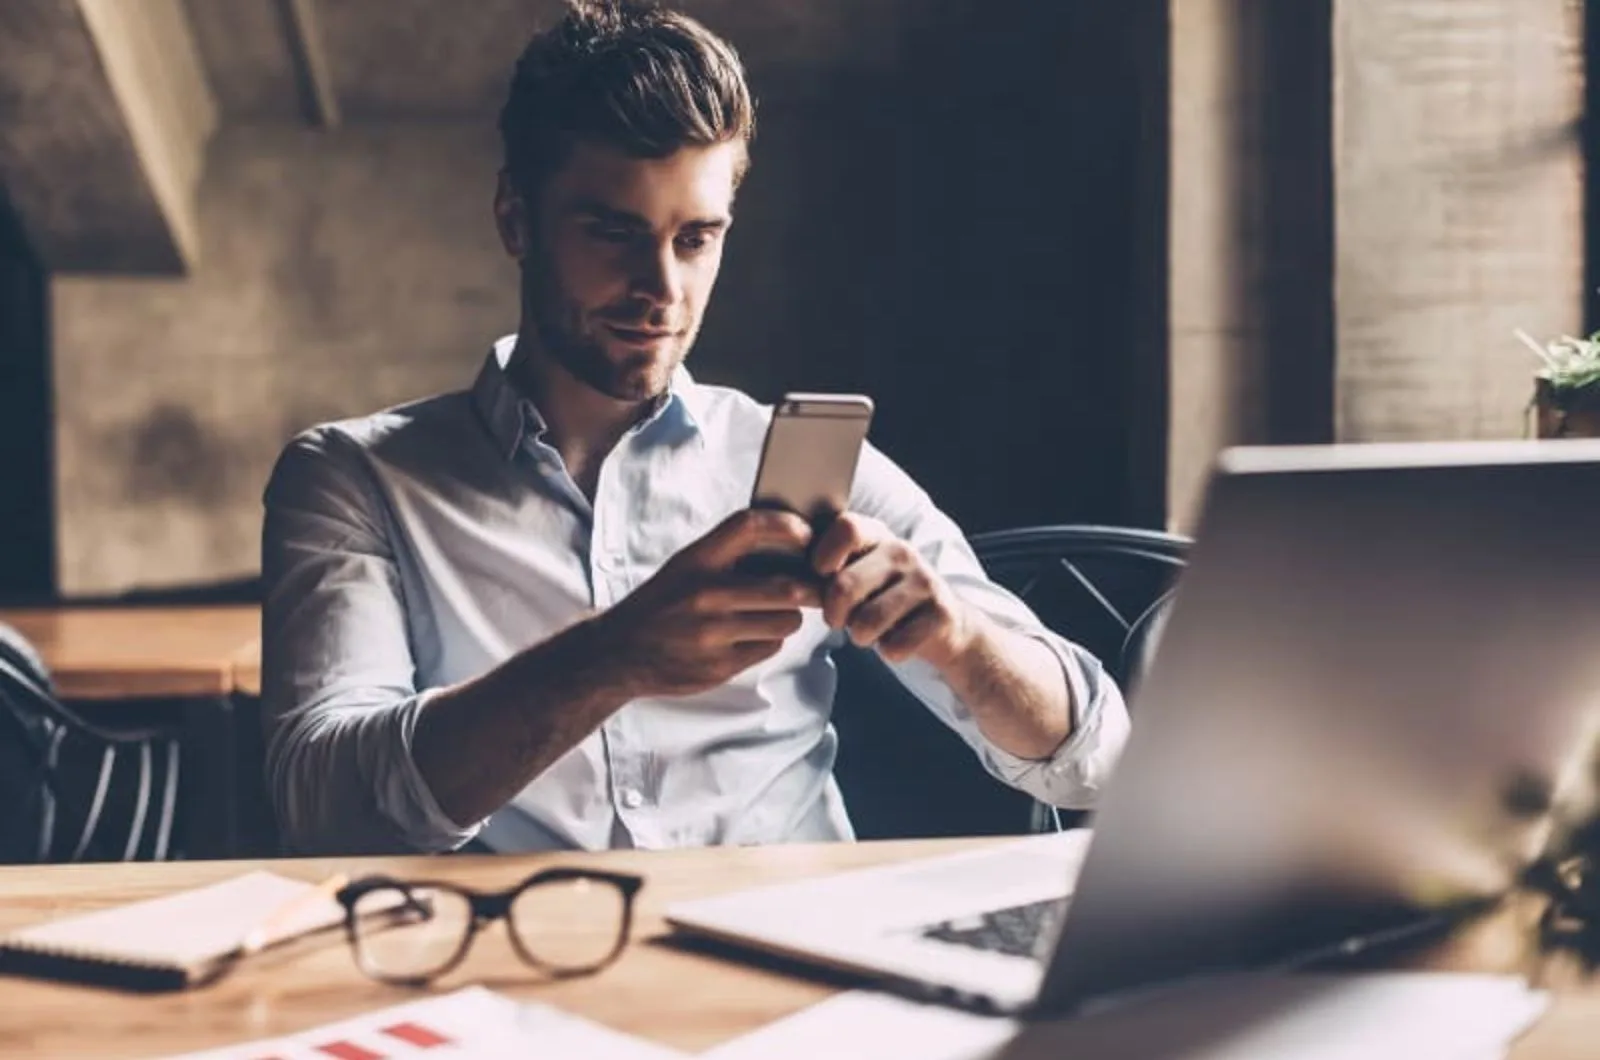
pixel 1014 686
pixel 480 742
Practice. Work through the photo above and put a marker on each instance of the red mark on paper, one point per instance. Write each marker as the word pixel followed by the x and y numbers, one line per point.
pixel 348 1051
pixel 416 1034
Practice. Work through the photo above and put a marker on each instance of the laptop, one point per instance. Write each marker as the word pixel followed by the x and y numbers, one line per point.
pixel 1374 696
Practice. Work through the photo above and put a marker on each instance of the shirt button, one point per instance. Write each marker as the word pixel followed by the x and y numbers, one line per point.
pixel 632 798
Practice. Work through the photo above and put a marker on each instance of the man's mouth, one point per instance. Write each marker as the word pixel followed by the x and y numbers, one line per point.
pixel 641 336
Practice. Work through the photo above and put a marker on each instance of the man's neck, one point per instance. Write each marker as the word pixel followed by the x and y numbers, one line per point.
pixel 581 423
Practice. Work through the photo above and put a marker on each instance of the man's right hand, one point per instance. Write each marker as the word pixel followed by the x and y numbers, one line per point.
pixel 698 622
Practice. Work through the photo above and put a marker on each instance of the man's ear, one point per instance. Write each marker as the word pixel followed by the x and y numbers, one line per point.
pixel 511 217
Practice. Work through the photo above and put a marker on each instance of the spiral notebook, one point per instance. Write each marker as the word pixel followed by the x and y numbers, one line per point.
pixel 171 942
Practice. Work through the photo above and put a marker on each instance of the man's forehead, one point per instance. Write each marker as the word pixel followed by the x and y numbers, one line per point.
pixel 692 184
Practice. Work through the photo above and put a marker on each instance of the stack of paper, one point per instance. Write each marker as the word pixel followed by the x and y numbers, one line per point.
pixel 470 1024
pixel 1280 1017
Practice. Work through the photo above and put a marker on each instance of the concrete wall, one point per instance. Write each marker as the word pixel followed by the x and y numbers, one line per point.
pixel 341 274
pixel 1460 183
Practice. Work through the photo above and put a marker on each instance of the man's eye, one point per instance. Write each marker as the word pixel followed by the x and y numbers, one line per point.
pixel 692 242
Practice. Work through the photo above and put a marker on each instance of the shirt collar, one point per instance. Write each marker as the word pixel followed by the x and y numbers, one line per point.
pixel 513 420
pixel 509 417
pixel 683 411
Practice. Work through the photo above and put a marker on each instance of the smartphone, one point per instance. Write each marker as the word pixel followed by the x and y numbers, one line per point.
pixel 808 465
pixel 809 461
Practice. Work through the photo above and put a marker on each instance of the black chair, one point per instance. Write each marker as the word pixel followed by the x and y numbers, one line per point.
pixel 72 790
pixel 904 774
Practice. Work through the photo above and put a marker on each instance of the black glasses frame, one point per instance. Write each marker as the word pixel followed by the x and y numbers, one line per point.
pixel 487 907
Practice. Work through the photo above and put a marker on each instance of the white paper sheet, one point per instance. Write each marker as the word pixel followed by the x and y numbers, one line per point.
pixel 860 1024
pixel 469 1024
pixel 1325 1017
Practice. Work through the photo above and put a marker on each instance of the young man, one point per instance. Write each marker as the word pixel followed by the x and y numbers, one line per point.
pixel 519 602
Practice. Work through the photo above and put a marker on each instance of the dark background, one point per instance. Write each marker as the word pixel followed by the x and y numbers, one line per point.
pixel 27 526
pixel 976 243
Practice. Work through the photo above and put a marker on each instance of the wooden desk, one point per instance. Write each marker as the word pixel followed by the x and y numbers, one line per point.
pixel 128 653
pixel 184 663
pixel 680 999
pixel 247 667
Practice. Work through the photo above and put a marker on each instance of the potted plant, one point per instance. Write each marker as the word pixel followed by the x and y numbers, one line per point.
pixel 1566 392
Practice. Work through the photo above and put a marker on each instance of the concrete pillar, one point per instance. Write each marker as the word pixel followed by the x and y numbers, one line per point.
pixel 1251 234
pixel 1460 209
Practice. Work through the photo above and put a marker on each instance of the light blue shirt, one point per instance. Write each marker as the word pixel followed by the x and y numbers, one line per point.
pixel 422 546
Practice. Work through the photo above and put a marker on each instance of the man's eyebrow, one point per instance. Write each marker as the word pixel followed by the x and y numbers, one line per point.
pixel 608 214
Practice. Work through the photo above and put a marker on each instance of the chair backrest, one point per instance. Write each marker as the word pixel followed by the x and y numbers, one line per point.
pixel 902 772
pixel 71 790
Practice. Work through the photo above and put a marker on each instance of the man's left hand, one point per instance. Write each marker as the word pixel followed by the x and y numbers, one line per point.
pixel 882 592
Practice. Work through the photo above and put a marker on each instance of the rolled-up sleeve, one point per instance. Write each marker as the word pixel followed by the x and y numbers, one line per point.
pixel 339 700
pixel 1073 776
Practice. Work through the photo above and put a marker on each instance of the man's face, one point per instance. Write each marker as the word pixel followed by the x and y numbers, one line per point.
pixel 619 259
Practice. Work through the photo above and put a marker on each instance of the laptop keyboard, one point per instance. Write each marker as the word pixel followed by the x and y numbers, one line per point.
pixel 1015 931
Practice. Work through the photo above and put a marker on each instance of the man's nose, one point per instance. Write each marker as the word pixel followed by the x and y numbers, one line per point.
pixel 658 275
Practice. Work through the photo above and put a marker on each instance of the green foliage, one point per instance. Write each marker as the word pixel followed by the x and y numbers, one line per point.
pixel 1568 363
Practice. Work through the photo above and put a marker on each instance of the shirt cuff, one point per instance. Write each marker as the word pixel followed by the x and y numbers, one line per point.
pixel 406 798
pixel 1074 773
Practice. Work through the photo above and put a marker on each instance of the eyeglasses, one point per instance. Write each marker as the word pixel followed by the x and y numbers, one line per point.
pixel 1571 918
pixel 562 921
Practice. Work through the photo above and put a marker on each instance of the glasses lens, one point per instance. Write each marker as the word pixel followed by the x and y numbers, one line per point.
pixel 412 933
pixel 570 925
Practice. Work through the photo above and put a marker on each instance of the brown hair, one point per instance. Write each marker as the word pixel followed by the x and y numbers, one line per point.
pixel 627 73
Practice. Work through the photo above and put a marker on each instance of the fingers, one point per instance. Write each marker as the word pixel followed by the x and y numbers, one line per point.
pixel 758 626
pixel 749 531
pixel 846 538
pixel 878 615
pixel 885 588
pixel 739 644
pixel 714 632
pixel 758 594
pixel 715 667
pixel 902 642
pixel 743 656
pixel 859 581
